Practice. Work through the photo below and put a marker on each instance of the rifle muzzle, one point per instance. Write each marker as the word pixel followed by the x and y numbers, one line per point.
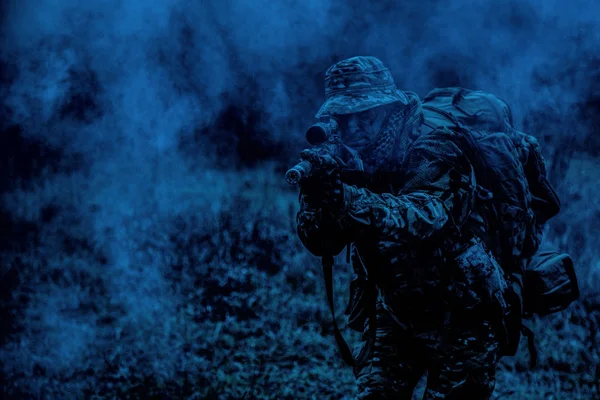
pixel 297 172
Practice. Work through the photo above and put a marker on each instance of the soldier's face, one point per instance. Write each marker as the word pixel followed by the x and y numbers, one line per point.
pixel 359 129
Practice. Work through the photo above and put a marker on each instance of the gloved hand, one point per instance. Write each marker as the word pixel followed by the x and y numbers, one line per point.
pixel 323 190
pixel 321 233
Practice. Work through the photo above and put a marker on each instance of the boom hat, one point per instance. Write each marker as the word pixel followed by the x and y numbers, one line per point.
pixel 357 84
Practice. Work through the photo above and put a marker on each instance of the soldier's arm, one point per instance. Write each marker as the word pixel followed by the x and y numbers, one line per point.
pixel 438 192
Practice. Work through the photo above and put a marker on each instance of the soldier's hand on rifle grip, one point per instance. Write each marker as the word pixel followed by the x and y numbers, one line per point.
pixel 323 188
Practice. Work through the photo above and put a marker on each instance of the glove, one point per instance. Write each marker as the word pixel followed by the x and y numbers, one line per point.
pixel 323 190
pixel 321 234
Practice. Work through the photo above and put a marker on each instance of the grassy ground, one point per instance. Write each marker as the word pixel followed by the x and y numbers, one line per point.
pixel 210 295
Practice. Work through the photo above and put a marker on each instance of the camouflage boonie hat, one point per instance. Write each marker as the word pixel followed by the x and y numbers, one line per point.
pixel 357 84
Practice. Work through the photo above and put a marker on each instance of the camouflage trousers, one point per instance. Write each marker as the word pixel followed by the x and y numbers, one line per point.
pixel 460 360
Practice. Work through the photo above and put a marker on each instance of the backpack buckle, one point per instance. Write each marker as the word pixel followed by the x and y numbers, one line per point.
pixel 483 194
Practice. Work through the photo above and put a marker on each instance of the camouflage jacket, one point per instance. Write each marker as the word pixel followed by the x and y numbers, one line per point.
pixel 402 231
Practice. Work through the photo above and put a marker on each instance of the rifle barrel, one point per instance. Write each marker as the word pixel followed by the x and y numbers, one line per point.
pixel 297 172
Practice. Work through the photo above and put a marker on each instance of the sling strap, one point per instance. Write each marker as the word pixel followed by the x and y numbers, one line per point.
pixel 327 263
pixel 531 345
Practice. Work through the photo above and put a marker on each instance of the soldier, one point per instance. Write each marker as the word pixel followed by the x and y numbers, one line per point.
pixel 406 227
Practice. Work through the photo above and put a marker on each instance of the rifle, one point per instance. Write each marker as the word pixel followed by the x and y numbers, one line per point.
pixel 321 158
pixel 327 155
pixel 324 155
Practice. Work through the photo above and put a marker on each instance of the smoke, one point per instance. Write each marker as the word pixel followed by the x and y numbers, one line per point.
pixel 154 72
pixel 149 95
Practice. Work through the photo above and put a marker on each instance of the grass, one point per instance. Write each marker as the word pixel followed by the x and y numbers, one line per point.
pixel 196 287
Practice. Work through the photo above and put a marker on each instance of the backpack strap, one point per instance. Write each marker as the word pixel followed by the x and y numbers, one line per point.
pixel 533 355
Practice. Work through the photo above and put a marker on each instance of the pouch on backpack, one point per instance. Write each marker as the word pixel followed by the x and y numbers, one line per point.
pixel 550 283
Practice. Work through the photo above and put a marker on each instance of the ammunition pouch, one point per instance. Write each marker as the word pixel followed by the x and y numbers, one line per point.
pixel 550 283
pixel 479 287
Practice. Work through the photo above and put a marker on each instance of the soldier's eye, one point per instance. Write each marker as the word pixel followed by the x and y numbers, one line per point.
pixel 342 121
pixel 367 116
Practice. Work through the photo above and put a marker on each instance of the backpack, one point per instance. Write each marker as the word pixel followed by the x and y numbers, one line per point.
pixel 514 196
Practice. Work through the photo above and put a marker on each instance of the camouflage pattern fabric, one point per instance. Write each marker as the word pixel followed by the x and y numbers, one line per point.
pixel 459 361
pixel 358 84
pixel 436 195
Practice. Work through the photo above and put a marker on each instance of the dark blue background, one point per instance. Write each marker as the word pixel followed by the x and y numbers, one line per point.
pixel 148 237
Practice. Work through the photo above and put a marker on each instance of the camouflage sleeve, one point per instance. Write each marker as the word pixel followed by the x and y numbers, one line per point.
pixel 319 232
pixel 438 192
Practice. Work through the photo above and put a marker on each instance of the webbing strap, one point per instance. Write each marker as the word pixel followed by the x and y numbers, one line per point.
pixel 531 345
pixel 327 262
